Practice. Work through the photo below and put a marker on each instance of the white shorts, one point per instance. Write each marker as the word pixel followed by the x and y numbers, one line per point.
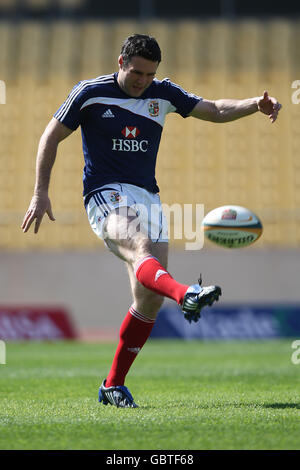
pixel 143 207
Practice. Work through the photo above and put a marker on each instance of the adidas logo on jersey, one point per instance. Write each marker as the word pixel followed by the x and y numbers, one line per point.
pixel 108 114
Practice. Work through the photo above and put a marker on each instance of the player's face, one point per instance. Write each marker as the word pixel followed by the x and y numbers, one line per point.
pixel 137 76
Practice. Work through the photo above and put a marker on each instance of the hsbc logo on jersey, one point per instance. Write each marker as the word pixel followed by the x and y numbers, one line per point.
pixel 130 132
pixel 130 144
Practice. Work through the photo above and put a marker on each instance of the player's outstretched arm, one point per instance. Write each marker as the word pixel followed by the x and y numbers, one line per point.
pixel 226 110
pixel 40 203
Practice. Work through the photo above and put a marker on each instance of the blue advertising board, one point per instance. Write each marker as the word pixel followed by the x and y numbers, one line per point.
pixel 230 322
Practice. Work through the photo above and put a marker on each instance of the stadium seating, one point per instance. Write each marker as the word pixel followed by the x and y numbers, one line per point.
pixel 40 5
pixel 249 162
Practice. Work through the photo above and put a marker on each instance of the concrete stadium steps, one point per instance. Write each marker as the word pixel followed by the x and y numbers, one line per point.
pixel 248 162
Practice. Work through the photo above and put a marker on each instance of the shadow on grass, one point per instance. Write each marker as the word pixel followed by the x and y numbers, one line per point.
pixel 282 405
pixel 224 405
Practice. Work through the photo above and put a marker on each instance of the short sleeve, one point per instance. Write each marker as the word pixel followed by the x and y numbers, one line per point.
pixel 69 112
pixel 182 102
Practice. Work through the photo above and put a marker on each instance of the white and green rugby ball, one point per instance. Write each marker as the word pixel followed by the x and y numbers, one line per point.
pixel 232 226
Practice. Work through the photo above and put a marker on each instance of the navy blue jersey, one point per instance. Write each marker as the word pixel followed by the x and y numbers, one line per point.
pixel 121 134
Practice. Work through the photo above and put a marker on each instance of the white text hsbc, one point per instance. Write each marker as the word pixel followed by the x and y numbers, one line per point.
pixel 132 145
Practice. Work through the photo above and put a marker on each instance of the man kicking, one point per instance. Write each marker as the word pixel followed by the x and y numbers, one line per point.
pixel 122 117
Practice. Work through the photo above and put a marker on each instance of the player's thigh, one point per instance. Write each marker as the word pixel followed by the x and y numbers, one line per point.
pixel 123 237
pixel 146 301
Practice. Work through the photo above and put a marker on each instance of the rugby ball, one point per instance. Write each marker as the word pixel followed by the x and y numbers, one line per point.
pixel 232 226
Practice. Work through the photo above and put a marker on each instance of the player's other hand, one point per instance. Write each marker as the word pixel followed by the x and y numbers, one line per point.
pixel 269 105
pixel 39 206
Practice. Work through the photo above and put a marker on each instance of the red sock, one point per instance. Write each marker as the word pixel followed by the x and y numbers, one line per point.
pixel 134 332
pixel 152 275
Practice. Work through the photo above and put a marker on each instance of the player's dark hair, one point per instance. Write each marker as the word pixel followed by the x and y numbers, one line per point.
pixel 140 45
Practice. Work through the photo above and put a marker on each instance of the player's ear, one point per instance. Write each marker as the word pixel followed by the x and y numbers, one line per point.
pixel 120 61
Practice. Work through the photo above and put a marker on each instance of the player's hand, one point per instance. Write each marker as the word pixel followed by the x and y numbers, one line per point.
pixel 39 206
pixel 269 105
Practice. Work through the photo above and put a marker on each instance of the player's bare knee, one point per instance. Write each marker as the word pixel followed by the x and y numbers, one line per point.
pixel 143 247
pixel 124 240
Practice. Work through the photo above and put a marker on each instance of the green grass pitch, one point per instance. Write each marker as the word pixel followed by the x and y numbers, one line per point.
pixel 191 395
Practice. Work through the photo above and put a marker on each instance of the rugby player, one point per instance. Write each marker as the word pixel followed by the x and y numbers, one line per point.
pixel 121 117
